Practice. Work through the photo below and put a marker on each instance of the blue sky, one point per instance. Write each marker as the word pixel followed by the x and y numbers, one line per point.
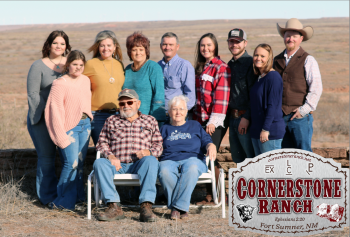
pixel 50 12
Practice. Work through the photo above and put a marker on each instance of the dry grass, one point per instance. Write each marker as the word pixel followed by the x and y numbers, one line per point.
pixel 331 119
pixel 22 215
pixel 13 128
pixel 20 47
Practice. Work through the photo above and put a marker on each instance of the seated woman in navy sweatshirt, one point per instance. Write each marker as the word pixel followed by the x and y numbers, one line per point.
pixel 267 127
pixel 185 145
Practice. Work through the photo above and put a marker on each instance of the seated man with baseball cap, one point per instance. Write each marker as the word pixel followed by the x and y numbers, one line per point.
pixel 131 141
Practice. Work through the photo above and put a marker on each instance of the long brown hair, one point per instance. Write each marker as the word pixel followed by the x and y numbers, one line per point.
pixel 47 45
pixel 269 62
pixel 200 60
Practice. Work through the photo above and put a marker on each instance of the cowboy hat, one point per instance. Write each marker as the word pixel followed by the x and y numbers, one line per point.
pixel 295 24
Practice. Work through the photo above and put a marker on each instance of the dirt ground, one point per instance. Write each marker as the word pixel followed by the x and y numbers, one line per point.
pixel 21 214
pixel 40 221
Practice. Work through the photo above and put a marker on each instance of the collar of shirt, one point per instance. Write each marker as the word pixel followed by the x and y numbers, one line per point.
pixel 172 61
pixel 214 60
pixel 242 58
pixel 286 55
pixel 126 121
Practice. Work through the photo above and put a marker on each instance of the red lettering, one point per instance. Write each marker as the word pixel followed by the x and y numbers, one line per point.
pixel 307 206
pixel 263 206
pixel 337 191
pixel 271 188
pixel 298 182
pixel 317 187
pixel 241 185
pixel 274 206
pixel 296 206
pixel 251 188
pixel 327 188
pixel 290 185
pixel 281 183
pixel 285 204
pixel 308 183
pixel 261 188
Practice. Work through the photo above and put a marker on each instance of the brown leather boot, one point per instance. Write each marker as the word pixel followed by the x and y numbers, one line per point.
pixel 146 213
pixel 113 212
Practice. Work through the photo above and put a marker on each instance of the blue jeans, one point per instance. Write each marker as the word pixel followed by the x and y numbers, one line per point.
pixel 178 180
pixel 269 145
pixel 70 188
pixel 241 145
pixel 146 168
pixel 97 124
pixel 298 132
pixel 46 179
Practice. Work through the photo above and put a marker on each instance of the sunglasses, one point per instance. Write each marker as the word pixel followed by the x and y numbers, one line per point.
pixel 122 104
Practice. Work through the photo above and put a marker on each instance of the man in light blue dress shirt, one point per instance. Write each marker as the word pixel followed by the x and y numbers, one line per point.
pixel 179 76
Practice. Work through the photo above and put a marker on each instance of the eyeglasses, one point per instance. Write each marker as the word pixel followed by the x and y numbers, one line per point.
pixel 122 104
pixel 180 109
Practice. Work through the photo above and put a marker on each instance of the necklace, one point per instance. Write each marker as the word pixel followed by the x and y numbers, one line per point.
pixel 111 79
pixel 135 70
pixel 261 76
pixel 57 65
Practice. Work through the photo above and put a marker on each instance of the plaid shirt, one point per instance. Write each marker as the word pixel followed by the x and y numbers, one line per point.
pixel 123 139
pixel 212 89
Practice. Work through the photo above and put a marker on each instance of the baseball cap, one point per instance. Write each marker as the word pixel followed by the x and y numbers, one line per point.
pixel 128 93
pixel 237 34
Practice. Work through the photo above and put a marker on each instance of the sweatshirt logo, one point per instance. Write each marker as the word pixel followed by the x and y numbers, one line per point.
pixel 178 135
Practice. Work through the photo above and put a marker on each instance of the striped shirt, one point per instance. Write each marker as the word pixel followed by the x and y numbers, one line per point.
pixel 212 90
pixel 313 79
pixel 123 139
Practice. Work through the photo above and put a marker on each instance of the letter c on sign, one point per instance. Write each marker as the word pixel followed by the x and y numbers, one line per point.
pixel 241 188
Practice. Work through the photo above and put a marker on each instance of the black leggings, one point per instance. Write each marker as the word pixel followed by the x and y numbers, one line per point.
pixel 218 135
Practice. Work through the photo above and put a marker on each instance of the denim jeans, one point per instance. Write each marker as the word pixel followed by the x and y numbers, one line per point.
pixel 146 168
pixel 269 145
pixel 70 188
pixel 178 180
pixel 46 179
pixel 97 124
pixel 241 145
pixel 298 132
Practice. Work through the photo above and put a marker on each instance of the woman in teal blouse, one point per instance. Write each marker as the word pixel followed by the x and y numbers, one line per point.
pixel 145 77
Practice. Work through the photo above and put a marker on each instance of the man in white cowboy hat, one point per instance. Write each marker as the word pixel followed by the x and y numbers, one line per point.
pixel 302 85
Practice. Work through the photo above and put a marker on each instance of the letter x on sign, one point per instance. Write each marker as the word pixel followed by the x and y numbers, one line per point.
pixel 269 169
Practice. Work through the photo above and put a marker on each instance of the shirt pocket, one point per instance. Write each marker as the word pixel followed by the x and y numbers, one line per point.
pixel 174 82
pixel 145 134
pixel 118 134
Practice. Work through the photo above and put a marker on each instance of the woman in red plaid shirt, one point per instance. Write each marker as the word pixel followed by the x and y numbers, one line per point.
pixel 213 78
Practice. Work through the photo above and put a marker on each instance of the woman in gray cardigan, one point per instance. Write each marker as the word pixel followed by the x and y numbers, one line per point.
pixel 39 81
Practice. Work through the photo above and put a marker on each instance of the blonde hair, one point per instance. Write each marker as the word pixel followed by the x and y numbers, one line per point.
pixel 269 62
pixel 106 34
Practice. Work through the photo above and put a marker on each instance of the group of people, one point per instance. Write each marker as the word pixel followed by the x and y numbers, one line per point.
pixel 160 120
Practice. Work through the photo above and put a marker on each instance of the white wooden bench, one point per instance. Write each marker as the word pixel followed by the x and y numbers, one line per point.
pixel 133 180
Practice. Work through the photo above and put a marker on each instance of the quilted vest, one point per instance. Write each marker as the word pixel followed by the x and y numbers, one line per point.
pixel 295 87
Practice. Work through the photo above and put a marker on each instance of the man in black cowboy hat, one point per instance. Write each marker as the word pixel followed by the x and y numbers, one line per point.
pixel 302 85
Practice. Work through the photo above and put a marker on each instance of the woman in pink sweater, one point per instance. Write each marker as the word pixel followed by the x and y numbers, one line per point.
pixel 68 117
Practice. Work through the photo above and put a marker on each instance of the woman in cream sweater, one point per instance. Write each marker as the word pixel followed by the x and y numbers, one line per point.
pixel 68 116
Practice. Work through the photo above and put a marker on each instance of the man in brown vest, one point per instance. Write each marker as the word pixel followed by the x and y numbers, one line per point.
pixel 302 85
